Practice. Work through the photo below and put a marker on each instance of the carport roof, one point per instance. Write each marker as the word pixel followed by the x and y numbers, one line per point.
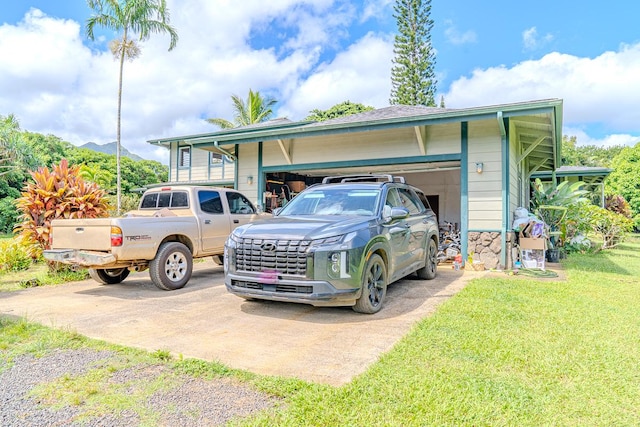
pixel 588 174
pixel 536 124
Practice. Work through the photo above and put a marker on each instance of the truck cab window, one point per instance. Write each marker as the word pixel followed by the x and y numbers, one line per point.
pixel 238 204
pixel 164 201
pixel 210 202
pixel 180 199
pixel 150 201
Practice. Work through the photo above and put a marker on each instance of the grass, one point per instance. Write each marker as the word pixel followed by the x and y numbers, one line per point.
pixel 504 351
pixel 37 275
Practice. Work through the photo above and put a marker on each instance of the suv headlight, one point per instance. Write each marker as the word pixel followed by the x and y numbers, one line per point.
pixel 327 241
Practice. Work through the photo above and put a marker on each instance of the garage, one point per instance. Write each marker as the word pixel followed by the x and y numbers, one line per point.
pixel 475 164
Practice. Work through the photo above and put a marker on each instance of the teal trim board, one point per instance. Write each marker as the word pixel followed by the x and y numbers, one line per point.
pixel 464 189
pixel 364 162
pixel 261 178
pixel 235 168
pixel 504 131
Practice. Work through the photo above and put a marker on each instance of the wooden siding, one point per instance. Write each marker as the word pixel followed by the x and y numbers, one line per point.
pixel 173 162
pixel 199 165
pixel 485 189
pixel 200 168
pixel 247 165
pixel 443 139
pixel 358 146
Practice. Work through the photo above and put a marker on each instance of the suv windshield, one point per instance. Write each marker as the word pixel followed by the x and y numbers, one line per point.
pixel 334 201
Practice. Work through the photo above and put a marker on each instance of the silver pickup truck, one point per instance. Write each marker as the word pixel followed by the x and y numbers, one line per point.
pixel 172 226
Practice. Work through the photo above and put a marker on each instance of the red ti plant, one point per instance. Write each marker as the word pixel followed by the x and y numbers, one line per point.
pixel 57 193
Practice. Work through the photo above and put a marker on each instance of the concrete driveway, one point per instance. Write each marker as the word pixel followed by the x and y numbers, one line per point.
pixel 204 321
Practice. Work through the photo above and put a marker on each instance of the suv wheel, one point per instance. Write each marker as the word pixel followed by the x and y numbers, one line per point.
pixel 374 286
pixel 428 272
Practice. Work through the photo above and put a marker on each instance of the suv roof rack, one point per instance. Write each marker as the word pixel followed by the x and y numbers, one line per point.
pixel 363 178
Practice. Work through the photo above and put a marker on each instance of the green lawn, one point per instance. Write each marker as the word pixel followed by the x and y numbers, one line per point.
pixel 505 351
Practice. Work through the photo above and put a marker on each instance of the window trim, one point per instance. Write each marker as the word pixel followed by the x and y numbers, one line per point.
pixel 181 150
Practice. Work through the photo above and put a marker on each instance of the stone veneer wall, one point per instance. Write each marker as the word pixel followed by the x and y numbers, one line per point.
pixel 486 246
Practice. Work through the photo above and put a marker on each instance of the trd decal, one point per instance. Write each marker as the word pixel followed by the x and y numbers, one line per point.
pixel 143 237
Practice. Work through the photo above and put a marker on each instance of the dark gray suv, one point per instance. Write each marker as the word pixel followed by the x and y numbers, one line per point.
pixel 339 243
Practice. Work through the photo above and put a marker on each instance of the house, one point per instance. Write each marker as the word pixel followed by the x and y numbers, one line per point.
pixel 475 164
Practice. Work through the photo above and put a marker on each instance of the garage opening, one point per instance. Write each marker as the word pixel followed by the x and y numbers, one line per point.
pixel 440 183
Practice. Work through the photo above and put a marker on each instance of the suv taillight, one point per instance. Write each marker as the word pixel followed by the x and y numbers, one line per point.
pixel 116 236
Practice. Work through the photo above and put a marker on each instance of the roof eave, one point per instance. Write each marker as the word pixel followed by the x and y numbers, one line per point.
pixel 298 129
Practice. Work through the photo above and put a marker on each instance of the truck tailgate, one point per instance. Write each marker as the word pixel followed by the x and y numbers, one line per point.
pixel 89 234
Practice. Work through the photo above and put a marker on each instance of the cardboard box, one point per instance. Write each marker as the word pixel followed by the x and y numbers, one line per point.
pixel 296 186
pixel 533 243
pixel 532 237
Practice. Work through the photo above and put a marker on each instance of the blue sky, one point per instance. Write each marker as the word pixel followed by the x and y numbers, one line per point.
pixel 315 54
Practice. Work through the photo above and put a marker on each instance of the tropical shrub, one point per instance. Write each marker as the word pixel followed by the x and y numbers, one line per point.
pixel 625 177
pixel 8 214
pixel 15 255
pixel 610 226
pixel 128 203
pixel 617 204
pixel 57 193
pixel 564 194
pixel 551 205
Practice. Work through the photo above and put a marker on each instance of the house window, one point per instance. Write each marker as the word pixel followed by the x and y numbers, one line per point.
pixel 184 157
pixel 219 159
pixel 216 159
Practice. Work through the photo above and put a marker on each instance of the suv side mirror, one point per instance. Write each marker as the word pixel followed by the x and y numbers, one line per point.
pixel 394 213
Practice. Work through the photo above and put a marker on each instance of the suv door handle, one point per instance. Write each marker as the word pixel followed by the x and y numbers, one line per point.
pixel 207 221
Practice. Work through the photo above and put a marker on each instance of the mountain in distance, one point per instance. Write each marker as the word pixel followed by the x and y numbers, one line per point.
pixel 110 148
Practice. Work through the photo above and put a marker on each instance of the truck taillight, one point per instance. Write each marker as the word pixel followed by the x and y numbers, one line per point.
pixel 116 236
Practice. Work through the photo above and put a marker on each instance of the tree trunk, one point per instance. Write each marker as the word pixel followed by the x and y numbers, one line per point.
pixel 118 132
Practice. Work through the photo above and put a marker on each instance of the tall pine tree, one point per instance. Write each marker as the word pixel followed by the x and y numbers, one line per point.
pixel 412 75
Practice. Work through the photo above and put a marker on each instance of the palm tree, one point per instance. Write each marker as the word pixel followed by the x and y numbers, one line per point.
pixel 255 109
pixel 130 17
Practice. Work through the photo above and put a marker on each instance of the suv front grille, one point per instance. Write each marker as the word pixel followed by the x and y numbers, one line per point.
pixel 271 255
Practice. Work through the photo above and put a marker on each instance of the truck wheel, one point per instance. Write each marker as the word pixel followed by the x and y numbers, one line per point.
pixel 172 266
pixel 109 276
pixel 374 286
pixel 428 272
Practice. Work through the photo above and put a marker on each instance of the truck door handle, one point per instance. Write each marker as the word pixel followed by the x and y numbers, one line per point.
pixel 235 221
pixel 207 221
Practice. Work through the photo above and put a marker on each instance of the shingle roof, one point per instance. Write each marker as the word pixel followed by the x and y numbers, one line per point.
pixel 392 112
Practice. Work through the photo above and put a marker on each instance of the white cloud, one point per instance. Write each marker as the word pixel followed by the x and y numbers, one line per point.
pixel 376 9
pixel 56 84
pixel 360 74
pixel 601 90
pixel 531 41
pixel 583 138
pixel 454 36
